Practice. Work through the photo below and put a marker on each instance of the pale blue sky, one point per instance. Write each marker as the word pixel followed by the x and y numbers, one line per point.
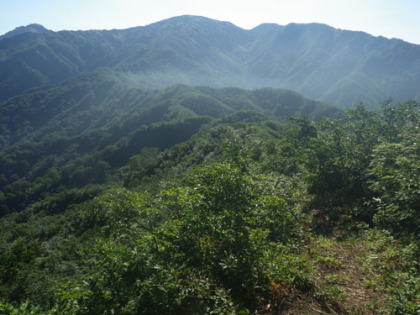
pixel 389 18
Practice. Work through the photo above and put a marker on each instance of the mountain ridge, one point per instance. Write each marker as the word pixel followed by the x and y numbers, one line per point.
pixel 120 197
pixel 331 65
pixel 95 114
pixel 30 28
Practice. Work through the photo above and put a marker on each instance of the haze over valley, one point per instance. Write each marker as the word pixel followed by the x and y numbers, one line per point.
pixel 338 67
pixel 191 166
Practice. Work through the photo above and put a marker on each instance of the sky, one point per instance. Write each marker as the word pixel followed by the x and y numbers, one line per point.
pixel 388 18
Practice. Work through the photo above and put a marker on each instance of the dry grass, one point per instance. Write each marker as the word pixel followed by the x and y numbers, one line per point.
pixel 341 280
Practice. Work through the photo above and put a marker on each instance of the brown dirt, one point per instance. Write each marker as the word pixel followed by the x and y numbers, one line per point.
pixel 341 281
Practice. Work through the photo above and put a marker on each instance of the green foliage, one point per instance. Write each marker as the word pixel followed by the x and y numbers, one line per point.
pixel 364 168
pixel 25 308
pixel 196 249
pixel 210 217
pixel 341 152
pixel 398 264
pixel 352 66
pixel 85 129
pixel 396 171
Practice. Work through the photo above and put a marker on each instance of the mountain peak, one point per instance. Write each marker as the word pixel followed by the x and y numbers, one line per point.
pixel 31 28
pixel 193 20
pixel 324 63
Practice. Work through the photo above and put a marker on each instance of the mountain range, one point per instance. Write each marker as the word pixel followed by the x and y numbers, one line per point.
pixel 335 66
pixel 194 167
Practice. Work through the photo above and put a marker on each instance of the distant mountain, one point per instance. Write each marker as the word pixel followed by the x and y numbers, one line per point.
pixel 31 28
pixel 330 65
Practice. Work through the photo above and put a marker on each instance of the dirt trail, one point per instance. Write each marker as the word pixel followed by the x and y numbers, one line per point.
pixel 342 280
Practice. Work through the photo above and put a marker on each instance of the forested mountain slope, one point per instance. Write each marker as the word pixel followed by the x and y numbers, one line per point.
pixel 241 214
pixel 139 176
pixel 334 66
pixel 90 125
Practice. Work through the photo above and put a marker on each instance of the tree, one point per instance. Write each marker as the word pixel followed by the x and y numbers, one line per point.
pixel 395 170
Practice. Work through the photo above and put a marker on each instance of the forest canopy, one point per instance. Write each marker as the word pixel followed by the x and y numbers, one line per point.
pixel 218 220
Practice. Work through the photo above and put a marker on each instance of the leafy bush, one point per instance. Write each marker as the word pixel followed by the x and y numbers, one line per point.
pixel 395 170
pixel 203 248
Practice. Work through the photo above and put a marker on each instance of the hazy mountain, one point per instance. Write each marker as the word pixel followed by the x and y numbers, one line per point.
pixel 335 66
pixel 122 194
pixel 31 28
pixel 95 114
pixel 98 99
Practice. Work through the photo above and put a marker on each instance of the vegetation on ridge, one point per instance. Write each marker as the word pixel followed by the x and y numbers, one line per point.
pixel 242 217
pixel 326 64
pixel 119 197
